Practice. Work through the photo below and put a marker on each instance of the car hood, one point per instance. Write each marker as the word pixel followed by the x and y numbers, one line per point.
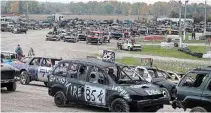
pixel 142 89
pixel 163 82
pixel 7 67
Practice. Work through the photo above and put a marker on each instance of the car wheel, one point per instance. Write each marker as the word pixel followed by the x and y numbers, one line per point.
pixel 165 93
pixel 24 78
pixel 46 83
pixel 64 40
pixel 120 105
pixel 11 86
pixel 198 109
pixel 60 99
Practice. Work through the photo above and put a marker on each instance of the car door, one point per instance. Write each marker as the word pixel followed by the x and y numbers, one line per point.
pixel 75 82
pixel 32 68
pixel 206 95
pixel 95 88
pixel 44 69
pixel 191 86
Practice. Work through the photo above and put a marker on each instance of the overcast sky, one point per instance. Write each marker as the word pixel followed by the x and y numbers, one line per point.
pixel 132 1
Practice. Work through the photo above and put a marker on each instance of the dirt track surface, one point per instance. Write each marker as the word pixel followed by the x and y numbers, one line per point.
pixel 34 97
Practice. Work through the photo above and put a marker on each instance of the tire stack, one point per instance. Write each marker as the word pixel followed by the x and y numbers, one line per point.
pixel 188 51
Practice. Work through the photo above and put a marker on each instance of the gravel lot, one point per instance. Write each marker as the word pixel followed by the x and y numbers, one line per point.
pixel 34 97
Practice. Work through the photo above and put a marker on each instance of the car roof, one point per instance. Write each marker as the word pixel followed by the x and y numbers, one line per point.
pixel 202 70
pixel 45 57
pixel 92 61
pixel 8 52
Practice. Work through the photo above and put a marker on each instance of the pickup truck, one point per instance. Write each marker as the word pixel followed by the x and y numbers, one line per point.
pixel 128 44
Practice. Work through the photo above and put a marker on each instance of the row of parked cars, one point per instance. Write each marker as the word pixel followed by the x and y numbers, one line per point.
pixel 118 87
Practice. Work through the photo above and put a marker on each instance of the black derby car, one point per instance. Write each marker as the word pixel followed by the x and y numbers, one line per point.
pixel 8 75
pixel 97 83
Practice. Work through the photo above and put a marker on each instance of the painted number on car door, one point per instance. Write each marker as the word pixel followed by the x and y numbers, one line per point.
pixel 94 95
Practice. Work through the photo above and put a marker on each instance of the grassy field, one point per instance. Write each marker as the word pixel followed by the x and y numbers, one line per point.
pixel 166 65
pixel 173 52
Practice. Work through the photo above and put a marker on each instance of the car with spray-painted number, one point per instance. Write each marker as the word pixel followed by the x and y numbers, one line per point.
pixel 98 83
pixel 34 68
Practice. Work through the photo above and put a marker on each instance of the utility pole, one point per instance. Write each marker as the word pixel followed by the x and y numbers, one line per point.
pixel 184 34
pixel 180 32
pixel 138 10
pixel 27 13
pixel 46 10
pixel 205 17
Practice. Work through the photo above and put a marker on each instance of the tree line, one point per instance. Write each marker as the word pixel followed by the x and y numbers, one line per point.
pixel 158 9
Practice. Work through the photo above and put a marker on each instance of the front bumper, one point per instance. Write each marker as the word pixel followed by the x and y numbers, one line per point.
pixel 52 39
pixel 136 48
pixel 70 39
pixel 152 102
pixel 8 80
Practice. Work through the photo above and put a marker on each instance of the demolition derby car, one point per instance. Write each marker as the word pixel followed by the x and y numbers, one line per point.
pixel 8 57
pixel 34 68
pixel 8 74
pixel 71 37
pixel 52 36
pixel 98 83
pixel 128 44
pixel 157 77
pixel 194 91
pixel 96 37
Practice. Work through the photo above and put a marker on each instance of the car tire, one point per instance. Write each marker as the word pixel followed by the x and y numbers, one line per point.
pixel 166 93
pixel 198 109
pixel 64 40
pixel 24 78
pixel 120 105
pixel 46 84
pixel 11 86
pixel 60 99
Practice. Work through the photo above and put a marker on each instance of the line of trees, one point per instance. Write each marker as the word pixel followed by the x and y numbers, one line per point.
pixel 157 9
